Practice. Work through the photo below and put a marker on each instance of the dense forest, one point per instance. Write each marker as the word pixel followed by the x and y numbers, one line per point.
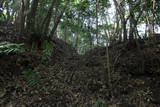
pixel 79 53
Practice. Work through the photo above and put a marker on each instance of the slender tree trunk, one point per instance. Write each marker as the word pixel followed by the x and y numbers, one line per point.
pixel 65 33
pixel 77 33
pixel 108 69
pixel 146 30
pixel 153 20
pixel 22 17
pixel 90 35
pixel 97 27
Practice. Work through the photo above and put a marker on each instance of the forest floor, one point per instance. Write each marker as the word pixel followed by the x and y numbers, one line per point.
pixel 67 79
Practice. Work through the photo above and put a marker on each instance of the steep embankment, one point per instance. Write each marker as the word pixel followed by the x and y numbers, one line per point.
pixel 69 79
pixel 135 71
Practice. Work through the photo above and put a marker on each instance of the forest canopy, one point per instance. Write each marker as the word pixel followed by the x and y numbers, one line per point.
pixel 84 23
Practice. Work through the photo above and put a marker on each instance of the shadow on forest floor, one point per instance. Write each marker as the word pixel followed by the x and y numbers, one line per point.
pixel 67 79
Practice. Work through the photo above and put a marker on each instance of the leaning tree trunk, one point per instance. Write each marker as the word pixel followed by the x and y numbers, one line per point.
pixel 56 24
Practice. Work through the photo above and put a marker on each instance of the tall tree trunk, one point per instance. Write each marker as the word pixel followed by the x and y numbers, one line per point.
pixel 133 19
pixel 18 18
pixel 124 30
pixel 47 19
pixel 22 14
pixel 121 12
pixel 131 22
pixel 30 23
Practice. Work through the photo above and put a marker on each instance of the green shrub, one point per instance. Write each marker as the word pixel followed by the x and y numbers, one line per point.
pixel 47 49
pixel 101 103
pixel 7 47
pixel 32 77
